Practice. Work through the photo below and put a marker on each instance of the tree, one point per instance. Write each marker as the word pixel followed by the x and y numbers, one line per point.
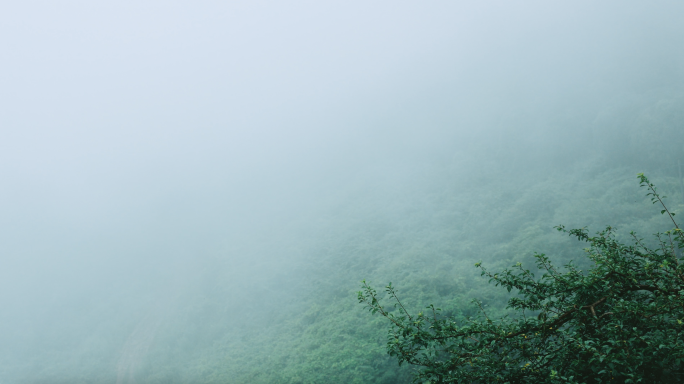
pixel 621 321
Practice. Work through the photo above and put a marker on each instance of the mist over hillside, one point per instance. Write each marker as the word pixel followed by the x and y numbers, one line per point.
pixel 193 192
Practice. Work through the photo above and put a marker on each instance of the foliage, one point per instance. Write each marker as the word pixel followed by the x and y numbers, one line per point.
pixel 620 321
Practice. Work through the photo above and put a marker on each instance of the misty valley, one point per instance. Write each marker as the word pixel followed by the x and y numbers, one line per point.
pixel 217 193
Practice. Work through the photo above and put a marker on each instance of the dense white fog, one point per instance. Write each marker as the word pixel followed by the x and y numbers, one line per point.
pixel 151 150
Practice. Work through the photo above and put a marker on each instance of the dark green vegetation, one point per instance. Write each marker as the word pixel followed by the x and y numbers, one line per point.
pixel 620 321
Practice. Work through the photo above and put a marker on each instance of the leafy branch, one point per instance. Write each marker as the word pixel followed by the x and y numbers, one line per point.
pixel 620 321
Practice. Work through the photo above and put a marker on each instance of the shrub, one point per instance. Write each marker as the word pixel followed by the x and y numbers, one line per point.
pixel 621 321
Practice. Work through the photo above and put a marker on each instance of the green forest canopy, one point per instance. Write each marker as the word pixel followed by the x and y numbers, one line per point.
pixel 620 321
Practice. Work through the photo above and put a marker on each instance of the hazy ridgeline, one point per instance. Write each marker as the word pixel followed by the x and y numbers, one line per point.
pixel 191 193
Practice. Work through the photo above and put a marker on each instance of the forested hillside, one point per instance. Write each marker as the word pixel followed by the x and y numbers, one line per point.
pixel 301 323
pixel 425 236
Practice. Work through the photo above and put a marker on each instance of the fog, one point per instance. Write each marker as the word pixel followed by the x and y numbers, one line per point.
pixel 175 172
